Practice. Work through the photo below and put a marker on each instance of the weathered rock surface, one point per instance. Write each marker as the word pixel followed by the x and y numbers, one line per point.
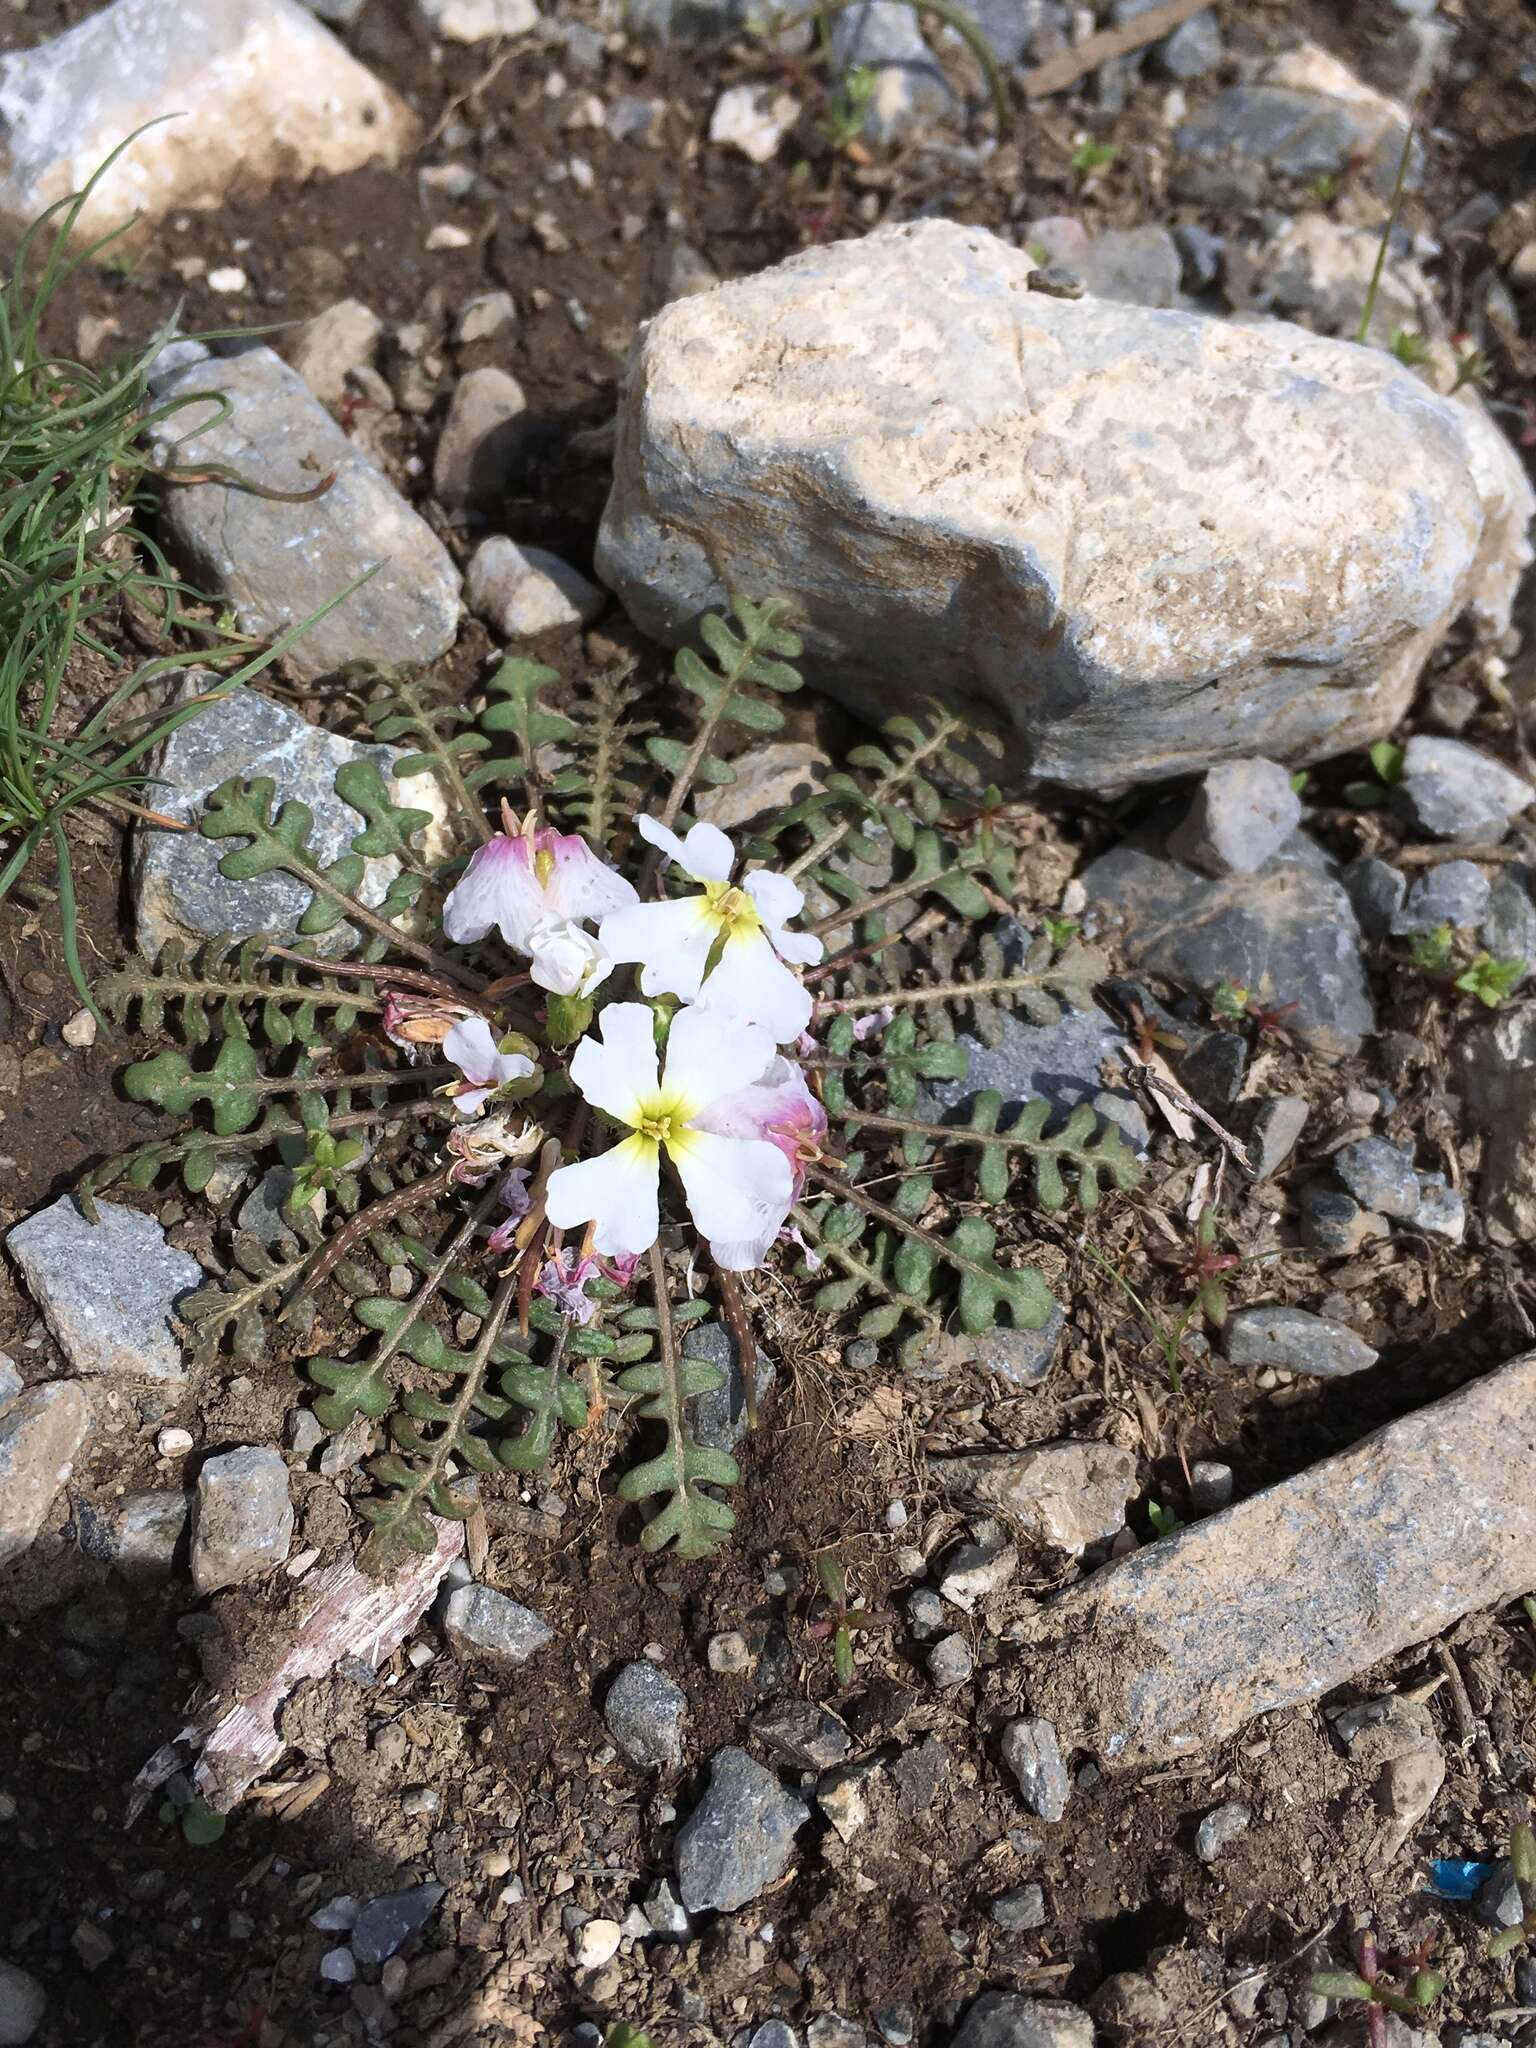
pixel 23 2002
pixel 480 1622
pixel 1295 1341
pixel 281 563
pixel 1033 1754
pixel 260 91
pixel 1005 2019
pixel 343 338
pixel 644 1711
pixel 40 1437
pixel 1144 540
pixel 524 592
pixel 739 1838
pixel 1295 1589
pixel 107 1290
pixel 1306 116
pixel 178 890
pixel 1065 1494
pixel 1063 1061
pixel 1286 933
pixel 1452 791
pixel 148 1531
pixel 482 440
pixel 242 1519
pixel 1496 1066
pixel 1244 813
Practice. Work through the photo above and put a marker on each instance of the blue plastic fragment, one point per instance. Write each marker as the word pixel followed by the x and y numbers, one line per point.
pixel 1458 1877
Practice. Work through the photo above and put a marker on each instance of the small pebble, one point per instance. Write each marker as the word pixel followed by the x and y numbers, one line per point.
pixel 80 1031
pixel 1220 1828
pixel 597 1943
pixel 950 1662
pixel 1020 1910
pixel 337 1966
pixel 728 1653
pixel 174 1443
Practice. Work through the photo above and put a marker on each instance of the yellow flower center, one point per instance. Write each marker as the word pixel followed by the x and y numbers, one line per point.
pixel 543 867
pixel 664 1119
pixel 732 907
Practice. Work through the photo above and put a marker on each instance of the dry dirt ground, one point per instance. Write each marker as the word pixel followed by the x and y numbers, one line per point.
pixel 142 1939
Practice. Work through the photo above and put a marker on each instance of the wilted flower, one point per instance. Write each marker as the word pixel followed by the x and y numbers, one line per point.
pixel 473 1049
pixel 414 1022
pixel 566 960
pixel 726 948
pixel 480 1149
pixel 515 1199
pixel 736 1187
pixel 528 874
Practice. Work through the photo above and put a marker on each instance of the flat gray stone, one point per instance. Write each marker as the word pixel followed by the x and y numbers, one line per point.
pixel 1286 933
pixel 1455 893
pixel 108 1290
pixel 1067 1494
pixel 481 1622
pixel 740 1837
pixel 803 1734
pixel 644 1713
pixel 279 563
pixel 11 1382
pixel 177 888
pixel 148 1531
pixel 1195 48
pixel 1062 1061
pixel 1295 1341
pixel 1277 1124
pixel 1005 2019
pixel 1220 1828
pixel 1138 266
pixel 1306 116
pixel 483 441
pixel 1021 1910
pixel 40 1437
pixel 1380 1175
pixel 895 426
pixel 1449 790
pixel 1032 1751
pixel 387 1923
pixel 1376 891
pixel 720 1417
pixel 1243 815
pixel 1440 1210
pixel 242 1518
pixel 1023 1358
pixel 526 591
pixel 1296 1589
pixel 1509 925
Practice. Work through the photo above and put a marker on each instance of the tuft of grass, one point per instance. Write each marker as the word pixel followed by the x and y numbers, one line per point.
pixel 1090 156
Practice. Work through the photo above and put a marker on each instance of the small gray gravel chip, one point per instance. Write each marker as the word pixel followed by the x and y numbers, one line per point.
pixel 1220 1828
pixel 387 1923
pixel 644 1713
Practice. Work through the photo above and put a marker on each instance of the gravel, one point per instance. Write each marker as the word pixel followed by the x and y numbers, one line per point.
pixel 644 1713
pixel 740 1837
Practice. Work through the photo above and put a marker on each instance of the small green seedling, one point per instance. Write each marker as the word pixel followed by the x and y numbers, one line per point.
pixel 324 1172
pixel 623 2035
pixel 833 1581
pixel 1433 952
pixel 1090 156
pixel 200 1826
pixel 1232 999
pixel 1411 1989
pixel 1522 1854
pixel 1386 759
pixel 1204 1267
pixel 1491 981
pixel 1164 1521
pixel 1409 346
pixel 1061 931
pixel 848 110
pixel 1472 367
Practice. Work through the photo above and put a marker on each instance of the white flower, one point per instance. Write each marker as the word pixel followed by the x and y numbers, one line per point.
pixel 740 930
pixel 567 961
pixel 522 877
pixel 736 1188
pixel 472 1048
pixel 780 1108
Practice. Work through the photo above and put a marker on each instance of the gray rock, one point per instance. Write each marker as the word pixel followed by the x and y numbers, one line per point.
pixel 1032 1751
pixel 483 442
pixel 802 1734
pixel 1022 1357
pixel 524 592
pixel 262 91
pixel 1306 117
pixel 1509 924
pixel 1138 266
pixel 1380 1175
pixel 178 890
pixel 1496 1069
pixel 1294 1340
pixel 1067 1494
pixel 11 1382
pixel 1193 50
pixel 720 1417
pixel 281 563
pixel 925 1613
pixel 1456 893
pixel 1499 1903
pixel 1334 1223
pixel 974 1570
pixel 1220 1827
pixel 485 317
pixel 480 1622
pixel 387 1923
pixel 478 21
pixel 1297 1588
pixel 774 2034
pixel 1063 1061
pixel 883 36
pixel 1272 1134
pixel 1449 790
pixel 1286 933
pixel 1244 813
pixel 768 780
pixel 1021 1910
pixel 1321 271
pixel 950 1662
pixel 1439 1211
pixel 40 1437
pixel 740 1837
pixel 848 424
pixel 896 2023
pixel 1376 891
pixel 664 1912
pixel 242 1519
pixel 644 1713
pixel 1005 2019
pixel 831 2030
pixel 1408 63
pixel 23 2002
pixel 1210 1486
pixel 262 1212
pixel 1214 1069
pixel 680 272
pixel 1203 254
pixel 107 1290
pixel 148 1532
pixel 328 348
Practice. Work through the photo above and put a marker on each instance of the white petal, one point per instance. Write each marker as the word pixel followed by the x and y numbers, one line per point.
pixel 470 1101
pixel 804 948
pixel 709 1055
pixel 616 1191
pixel 779 1101
pixel 753 984
pixel 706 853
pixel 472 1048
pixel 741 1255
pixel 672 940
pixel 565 960
pixel 737 1188
pixel 497 887
pixel 776 897
pixel 510 1066
pixel 581 884
pixel 618 1072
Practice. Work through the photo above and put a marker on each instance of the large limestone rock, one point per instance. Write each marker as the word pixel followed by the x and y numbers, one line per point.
pixel 258 88
pixel 1143 539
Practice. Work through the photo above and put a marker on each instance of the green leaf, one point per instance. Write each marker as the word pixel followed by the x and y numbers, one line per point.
pixel 170 1083
pixel 391 826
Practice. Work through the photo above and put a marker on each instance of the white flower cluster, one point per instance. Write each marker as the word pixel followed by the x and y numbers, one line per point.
pixel 731 1114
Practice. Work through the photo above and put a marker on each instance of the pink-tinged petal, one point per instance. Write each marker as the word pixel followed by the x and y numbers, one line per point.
pixel 616 1192
pixel 776 897
pixel 472 1048
pixel 497 888
pixel 709 1056
pixel 737 1188
pixel 670 940
pixel 580 884
pixel 752 984
pixel 778 1107
pixel 706 853
pixel 470 1100
pixel 618 1072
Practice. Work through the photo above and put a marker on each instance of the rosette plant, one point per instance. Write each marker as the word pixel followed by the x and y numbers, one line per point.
pixel 575 1086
